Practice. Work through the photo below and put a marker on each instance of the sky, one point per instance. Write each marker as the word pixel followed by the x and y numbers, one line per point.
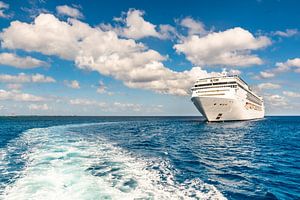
pixel 141 57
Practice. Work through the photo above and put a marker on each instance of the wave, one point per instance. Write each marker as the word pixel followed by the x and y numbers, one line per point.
pixel 60 163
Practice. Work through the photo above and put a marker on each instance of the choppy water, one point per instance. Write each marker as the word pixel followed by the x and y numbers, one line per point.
pixel 148 158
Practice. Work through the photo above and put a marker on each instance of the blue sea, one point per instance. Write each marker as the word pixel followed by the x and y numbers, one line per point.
pixel 148 158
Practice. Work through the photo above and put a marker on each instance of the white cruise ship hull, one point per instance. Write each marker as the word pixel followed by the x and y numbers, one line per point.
pixel 226 98
pixel 225 109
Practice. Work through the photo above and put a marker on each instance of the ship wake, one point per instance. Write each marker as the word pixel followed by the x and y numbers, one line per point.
pixel 63 164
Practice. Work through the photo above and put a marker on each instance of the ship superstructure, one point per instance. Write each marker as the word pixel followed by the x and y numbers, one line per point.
pixel 226 98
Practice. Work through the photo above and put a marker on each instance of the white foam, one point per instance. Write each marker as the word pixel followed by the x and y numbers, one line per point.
pixel 66 165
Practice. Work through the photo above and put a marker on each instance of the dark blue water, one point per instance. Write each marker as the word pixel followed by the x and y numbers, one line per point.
pixel 148 158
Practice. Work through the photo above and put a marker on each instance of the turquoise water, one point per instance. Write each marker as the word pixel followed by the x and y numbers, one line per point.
pixel 148 158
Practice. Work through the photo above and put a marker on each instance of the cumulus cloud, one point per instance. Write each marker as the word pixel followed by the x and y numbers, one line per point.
pixel 18 96
pixel 281 67
pixel 266 74
pixel 137 27
pixel 40 78
pixel 167 31
pixel 27 62
pixel 72 84
pixel 291 94
pixel 287 33
pixel 275 100
pixel 231 47
pixel 38 107
pixel 124 59
pixel 26 78
pixel 47 35
pixel 134 26
pixel 3 8
pixel 69 11
pixel 266 86
pixel 194 27
pixel 288 65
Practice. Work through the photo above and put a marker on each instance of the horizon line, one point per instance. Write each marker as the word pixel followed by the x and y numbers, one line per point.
pixel 296 115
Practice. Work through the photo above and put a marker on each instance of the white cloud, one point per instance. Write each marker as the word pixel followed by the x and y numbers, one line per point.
pixel 18 96
pixel 124 59
pixel 266 74
pixel 154 108
pixel 167 31
pixel 194 27
pixel 288 65
pixel 87 102
pixel 266 86
pixel 291 94
pixel 40 78
pixel 47 35
pixel 127 106
pixel 287 33
pixel 38 107
pixel 69 11
pixel 275 100
pixel 135 27
pixel 25 78
pixel 34 9
pixel 231 47
pixel 14 86
pixel 234 72
pixel 111 107
pixel 72 84
pixel 27 62
pixel 3 8
pixel 101 88
pixel 281 67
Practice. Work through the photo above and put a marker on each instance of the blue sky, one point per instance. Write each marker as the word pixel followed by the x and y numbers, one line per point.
pixel 141 57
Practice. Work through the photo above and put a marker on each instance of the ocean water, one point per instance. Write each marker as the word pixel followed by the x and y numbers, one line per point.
pixel 148 158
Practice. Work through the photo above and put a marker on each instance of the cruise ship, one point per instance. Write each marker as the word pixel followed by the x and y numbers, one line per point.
pixel 226 98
